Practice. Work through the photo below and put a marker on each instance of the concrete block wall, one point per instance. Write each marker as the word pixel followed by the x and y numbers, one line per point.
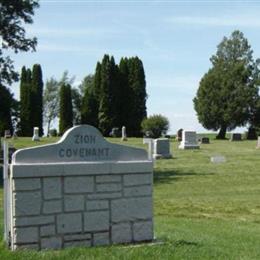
pixel 86 208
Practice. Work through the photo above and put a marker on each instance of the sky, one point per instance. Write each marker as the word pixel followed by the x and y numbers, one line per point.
pixel 174 39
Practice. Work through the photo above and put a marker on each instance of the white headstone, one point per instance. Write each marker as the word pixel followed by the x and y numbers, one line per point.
pixel 149 141
pixel 258 143
pixel 218 159
pixel 124 138
pixel 189 140
pixel 36 134
pixel 83 191
pixel 162 148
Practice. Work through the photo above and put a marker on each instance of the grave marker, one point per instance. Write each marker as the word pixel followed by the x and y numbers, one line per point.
pixel 82 191
pixel 189 140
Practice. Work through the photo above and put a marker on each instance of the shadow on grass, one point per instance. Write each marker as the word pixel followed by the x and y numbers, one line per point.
pixel 180 243
pixel 174 175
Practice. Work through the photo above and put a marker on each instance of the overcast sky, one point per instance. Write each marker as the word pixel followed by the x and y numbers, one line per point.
pixel 174 39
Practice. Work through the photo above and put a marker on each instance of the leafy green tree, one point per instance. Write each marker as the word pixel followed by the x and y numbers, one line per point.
pixel 37 98
pixel 51 102
pixel 14 15
pixel 65 109
pixel 76 105
pixel 227 90
pixel 155 126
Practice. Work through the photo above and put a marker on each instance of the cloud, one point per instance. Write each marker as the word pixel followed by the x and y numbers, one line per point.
pixel 72 32
pixel 226 21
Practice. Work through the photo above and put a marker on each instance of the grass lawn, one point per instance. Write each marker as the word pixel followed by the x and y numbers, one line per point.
pixel 201 210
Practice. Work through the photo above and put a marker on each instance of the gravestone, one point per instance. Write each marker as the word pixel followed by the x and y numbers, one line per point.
pixel 150 143
pixel 124 138
pixel 81 191
pixel 7 134
pixel 236 137
pixel 189 140
pixel 179 135
pixel 258 143
pixel 36 134
pixel 218 159
pixel 162 148
pixel 205 140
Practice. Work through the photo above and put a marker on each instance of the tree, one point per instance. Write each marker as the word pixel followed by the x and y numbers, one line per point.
pixel 137 92
pixel 227 90
pixel 65 109
pixel 6 101
pixel 37 96
pixel 25 126
pixel 89 108
pixel 105 116
pixel 51 102
pixel 14 14
pixel 155 126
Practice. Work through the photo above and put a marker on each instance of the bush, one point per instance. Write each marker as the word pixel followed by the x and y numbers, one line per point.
pixel 155 126
pixel 53 132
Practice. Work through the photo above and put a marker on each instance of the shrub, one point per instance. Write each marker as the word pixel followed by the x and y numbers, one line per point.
pixel 155 126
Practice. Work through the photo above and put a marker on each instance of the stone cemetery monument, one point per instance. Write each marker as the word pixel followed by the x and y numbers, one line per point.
pixel 179 135
pixel 205 140
pixel 150 143
pixel 161 148
pixel 258 143
pixel 189 140
pixel 236 137
pixel 81 191
pixel 36 134
pixel 124 138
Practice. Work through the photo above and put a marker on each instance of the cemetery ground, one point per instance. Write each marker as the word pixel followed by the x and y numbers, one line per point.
pixel 201 210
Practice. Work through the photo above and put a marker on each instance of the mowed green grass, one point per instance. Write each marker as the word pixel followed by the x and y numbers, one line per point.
pixel 201 210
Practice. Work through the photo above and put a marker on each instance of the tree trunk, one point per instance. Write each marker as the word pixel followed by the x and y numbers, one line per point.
pixel 222 133
pixel 251 134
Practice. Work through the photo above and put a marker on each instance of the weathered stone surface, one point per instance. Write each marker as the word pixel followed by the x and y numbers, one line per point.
pixel 33 221
pixel 258 142
pixel 26 246
pixel 26 235
pixel 81 243
pixel 143 231
pixel 51 243
pixel 82 184
pixel 27 203
pixel 105 195
pixel 80 143
pixel 96 221
pixel 121 233
pixel 189 140
pixel 107 187
pixel 47 230
pixel 69 223
pixel 108 178
pixel 77 237
pixel 74 202
pixel 52 206
pixel 138 191
pixel 131 209
pixel 52 188
pixel 236 137
pixel 27 184
pixel 97 204
pixel 138 179
pixel 162 148
pixel 101 239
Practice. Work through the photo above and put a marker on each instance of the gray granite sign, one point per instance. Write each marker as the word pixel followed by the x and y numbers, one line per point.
pixel 189 140
pixel 82 191
pixel 80 143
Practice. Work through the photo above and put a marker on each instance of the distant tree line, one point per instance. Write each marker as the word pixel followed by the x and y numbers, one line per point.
pixel 114 96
